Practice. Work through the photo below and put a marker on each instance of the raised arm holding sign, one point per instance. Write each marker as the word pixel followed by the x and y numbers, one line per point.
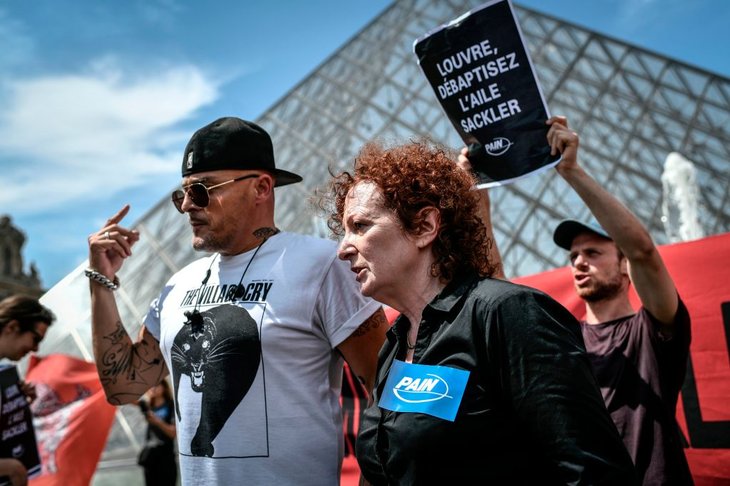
pixel 639 357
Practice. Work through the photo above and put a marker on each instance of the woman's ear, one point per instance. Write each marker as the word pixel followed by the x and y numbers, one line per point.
pixel 428 228
pixel 12 327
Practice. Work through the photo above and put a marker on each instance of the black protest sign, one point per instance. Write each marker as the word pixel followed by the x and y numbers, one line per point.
pixel 483 77
pixel 17 437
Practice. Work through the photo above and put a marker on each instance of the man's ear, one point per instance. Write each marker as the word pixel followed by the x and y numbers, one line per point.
pixel 624 266
pixel 264 187
pixel 428 228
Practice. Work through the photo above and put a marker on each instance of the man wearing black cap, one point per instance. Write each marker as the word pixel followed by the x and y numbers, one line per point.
pixel 639 358
pixel 253 335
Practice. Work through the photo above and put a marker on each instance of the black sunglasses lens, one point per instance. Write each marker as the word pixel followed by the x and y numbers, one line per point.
pixel 177 199
pixel 199 195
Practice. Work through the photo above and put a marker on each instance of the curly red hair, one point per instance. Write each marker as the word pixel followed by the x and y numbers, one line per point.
pixel 413 176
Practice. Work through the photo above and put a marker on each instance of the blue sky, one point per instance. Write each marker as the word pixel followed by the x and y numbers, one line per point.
pixel 98 98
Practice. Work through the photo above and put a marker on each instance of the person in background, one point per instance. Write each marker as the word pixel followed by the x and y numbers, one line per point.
pixel 480 381
pixel 158 454
pixel 23 325
pixel 639 358
pixel 253 335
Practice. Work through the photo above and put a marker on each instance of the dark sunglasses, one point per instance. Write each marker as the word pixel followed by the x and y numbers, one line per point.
pixel 199 192
pixel 37 338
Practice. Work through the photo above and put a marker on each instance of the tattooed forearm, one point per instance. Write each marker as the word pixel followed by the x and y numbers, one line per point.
pixel 132 366
pixel 119 335
pixel 373 322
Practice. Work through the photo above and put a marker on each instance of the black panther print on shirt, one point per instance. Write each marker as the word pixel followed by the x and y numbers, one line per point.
pixel 220 350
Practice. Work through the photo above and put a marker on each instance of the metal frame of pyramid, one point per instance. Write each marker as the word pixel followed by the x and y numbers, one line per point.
pixel 631 106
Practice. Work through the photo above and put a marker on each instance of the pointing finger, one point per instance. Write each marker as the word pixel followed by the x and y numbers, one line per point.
pixel 119 216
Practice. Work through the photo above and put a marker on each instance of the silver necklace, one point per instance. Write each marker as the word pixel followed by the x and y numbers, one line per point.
pixel 264 234
pixel 195 318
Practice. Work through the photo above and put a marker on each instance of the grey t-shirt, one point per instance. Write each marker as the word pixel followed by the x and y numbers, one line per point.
pixel 640 374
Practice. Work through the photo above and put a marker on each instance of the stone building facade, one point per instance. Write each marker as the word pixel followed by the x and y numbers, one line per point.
pixel 14 278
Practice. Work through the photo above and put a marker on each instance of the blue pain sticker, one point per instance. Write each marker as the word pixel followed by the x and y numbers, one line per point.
pixel 433 390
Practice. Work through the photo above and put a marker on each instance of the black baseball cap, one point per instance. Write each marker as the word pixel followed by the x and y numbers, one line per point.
pixel 233 143
pixel 568 229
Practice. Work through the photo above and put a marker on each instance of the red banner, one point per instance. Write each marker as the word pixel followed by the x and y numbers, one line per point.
pixel 72 419
pixel 701 272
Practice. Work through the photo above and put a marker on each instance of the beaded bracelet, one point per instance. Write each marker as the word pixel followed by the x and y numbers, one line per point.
pixel 102 279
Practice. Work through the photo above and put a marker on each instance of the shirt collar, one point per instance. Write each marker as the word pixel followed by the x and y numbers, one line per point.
pixel 445 301
pixel 452 293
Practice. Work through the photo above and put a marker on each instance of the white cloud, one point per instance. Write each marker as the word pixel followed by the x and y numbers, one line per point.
pixel 72 134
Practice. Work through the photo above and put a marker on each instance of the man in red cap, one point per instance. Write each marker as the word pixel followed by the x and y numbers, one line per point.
pixel 253 335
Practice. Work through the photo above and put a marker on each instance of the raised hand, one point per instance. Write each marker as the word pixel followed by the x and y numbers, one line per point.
pixel 109 246
pixel 564 141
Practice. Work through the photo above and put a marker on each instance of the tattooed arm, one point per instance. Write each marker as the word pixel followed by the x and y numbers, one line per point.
pixel 127 369
pixel 360 350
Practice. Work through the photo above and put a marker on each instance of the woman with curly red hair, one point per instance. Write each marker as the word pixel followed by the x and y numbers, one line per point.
pixel 480 381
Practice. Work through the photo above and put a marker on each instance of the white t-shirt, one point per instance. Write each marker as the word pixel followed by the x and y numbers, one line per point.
pixel 257 378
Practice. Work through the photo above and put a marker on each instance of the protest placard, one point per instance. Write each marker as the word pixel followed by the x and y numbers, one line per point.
pixel 482 75
pixel 17 437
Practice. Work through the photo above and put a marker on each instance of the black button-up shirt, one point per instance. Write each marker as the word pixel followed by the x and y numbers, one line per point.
pixel 531 412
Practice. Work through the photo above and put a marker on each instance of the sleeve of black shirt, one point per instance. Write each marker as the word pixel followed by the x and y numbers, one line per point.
pixel 548 385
